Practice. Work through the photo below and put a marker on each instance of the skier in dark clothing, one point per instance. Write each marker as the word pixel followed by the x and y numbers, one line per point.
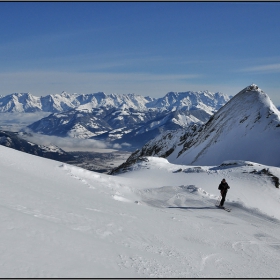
pixel 223 187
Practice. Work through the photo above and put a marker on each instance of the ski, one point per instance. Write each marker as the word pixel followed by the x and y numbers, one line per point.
pixel 226 209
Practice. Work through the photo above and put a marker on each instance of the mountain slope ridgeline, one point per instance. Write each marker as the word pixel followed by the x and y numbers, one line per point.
pixel 246 128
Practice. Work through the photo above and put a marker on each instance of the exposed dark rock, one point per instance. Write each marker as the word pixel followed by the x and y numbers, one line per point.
pixel 264 171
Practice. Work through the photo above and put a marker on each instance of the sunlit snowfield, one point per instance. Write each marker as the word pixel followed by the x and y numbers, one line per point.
pixel 58 220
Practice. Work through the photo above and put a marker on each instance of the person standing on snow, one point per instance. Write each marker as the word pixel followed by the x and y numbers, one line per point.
pixel 223 187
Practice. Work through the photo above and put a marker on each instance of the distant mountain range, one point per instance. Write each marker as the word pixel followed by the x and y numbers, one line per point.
pixel 124 119
pixel 246 128
pixel 26 102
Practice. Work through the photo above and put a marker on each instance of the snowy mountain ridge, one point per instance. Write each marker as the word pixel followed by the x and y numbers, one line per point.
pixel 26 102
pixel 247 127
pixel 130 118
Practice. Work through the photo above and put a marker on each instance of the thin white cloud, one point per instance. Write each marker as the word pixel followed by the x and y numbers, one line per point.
pixel 67 143
pixel 263 68
pixel 22 118
pixel 73 144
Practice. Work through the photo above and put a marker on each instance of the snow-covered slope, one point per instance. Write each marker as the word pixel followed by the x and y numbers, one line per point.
pixel 157 221
pixel 247 128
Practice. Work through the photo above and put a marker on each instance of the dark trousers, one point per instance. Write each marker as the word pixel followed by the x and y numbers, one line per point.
pixel 224 194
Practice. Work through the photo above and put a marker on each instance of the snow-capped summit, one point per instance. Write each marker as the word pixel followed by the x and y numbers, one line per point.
pixel 20 102
pixel 205 100
pixel 245 128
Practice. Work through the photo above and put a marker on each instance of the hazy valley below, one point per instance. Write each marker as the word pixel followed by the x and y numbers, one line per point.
pixel 102 162
pixel 90 155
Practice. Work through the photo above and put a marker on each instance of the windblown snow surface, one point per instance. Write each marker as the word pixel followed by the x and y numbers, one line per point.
pixel 159 220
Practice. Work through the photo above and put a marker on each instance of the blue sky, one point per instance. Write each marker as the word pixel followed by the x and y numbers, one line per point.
pixel 147 48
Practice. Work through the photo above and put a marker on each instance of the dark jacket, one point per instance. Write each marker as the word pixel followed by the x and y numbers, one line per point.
pixel 223 187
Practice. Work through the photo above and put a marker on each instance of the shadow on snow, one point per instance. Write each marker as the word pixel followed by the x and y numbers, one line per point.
pixel 188 208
